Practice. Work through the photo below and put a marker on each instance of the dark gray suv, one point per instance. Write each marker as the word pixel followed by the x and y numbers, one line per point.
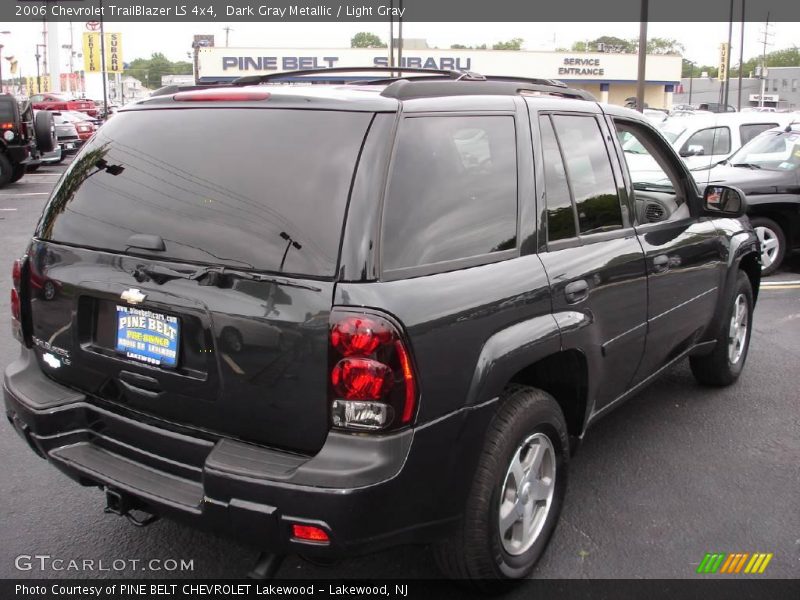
pixel 365 315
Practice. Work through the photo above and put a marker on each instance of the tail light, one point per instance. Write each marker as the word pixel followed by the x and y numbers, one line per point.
pixel 16 300
pixel 372 381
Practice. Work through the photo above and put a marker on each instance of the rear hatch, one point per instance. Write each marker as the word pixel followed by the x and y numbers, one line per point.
pixel 184 267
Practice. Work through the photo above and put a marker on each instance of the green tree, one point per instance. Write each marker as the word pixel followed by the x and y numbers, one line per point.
pixel 688 71
pixel 150 70
pixel 463 47
pixel 512 44
pixel 665 46
pixel 365 39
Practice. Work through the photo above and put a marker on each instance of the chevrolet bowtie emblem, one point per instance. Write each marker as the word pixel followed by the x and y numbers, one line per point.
pixel 133 296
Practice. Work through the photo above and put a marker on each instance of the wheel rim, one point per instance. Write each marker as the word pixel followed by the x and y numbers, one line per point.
pixel 527 494
pixel 737 334
pixel 769 245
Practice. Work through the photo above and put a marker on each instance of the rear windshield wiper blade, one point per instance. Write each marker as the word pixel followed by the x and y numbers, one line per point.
pixel 211 276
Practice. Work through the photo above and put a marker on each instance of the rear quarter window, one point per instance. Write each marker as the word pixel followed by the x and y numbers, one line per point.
pixel 452 191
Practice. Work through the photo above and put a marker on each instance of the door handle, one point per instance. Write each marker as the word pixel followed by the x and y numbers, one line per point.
pixel 661 263
pixel 576 291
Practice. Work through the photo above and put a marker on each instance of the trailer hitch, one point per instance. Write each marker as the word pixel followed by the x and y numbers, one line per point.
pixel 125 506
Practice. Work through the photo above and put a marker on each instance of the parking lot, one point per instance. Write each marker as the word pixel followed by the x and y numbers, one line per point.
pixel 677 472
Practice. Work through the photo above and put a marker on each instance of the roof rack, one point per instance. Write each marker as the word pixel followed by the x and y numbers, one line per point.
pixel 450 74
pixel 405 90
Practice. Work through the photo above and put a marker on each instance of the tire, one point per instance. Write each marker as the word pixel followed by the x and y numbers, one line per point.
pixel 482 550
pixel 45 131
pixel 725 363
pixel 6 170
pixel 17 172
pixel 773 244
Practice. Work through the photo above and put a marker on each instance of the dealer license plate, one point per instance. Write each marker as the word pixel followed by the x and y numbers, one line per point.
pixel 148 336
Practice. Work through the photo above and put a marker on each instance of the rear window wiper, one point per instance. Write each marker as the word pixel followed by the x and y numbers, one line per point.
pixel 211 276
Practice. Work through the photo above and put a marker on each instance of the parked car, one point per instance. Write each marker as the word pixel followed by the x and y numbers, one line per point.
pixel 704 140
pixel 62 101
pixel 768 169
pixel 83 127
pixel 460 277
pixel 24 137
pixel 715 107
pixel 655 116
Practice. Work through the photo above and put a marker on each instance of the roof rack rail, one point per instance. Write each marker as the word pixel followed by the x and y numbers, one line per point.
pixel 451 74
pixel 405 90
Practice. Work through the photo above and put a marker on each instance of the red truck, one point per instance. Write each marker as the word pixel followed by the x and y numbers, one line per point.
pixel 55 101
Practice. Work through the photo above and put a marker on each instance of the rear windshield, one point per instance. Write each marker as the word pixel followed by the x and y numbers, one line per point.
pixel 262 189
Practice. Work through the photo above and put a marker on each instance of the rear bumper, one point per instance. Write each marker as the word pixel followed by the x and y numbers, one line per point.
pixel 366 492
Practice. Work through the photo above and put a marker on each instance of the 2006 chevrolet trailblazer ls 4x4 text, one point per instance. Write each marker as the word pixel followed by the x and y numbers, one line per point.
pixel 369 314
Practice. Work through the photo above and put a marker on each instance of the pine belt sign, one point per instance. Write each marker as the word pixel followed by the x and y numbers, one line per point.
pixel 92 62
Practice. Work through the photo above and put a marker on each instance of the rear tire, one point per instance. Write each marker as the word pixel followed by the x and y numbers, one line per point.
pixel 6 170
pixel 516 495
pixel 773 244
pixel 725 363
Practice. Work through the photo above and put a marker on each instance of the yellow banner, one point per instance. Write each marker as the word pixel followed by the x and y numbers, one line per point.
pixel 91 52
pixel 92 62
pixel 723 62
pixel 114 52
pixel 31 86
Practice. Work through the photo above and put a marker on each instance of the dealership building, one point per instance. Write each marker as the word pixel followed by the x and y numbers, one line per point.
pixel 610 77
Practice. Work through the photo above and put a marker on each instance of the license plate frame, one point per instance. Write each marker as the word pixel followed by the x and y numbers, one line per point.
pixel 149 337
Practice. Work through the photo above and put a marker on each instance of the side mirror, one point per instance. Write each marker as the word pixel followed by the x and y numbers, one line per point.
pixel 693 150
pixel 724 201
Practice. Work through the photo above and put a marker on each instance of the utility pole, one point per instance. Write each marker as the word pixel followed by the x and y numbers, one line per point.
pixel 728 62
pixel 642 57
pixel 71 56
pixel 741 61
pixel 103 62
pixel 227 30
pixel 391 35
pixel 400 37
pixel 764 42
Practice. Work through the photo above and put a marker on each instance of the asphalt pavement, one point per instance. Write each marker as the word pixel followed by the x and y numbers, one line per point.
pixel 676 472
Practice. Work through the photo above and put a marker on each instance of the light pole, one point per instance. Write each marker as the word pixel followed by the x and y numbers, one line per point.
pixel 691 78
pixel 38 73
pixel 1 60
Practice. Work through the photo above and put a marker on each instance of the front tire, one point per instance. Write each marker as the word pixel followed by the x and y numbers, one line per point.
pixel 17 172
pixel 725 363
pixel 773 244
pixel 516 495
pixel 6 170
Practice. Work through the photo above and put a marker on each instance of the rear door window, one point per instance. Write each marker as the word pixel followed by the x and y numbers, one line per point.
pixel 749 131
pixel 262 189
pixel 560 212
pixel 591 179
pixel 452 192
